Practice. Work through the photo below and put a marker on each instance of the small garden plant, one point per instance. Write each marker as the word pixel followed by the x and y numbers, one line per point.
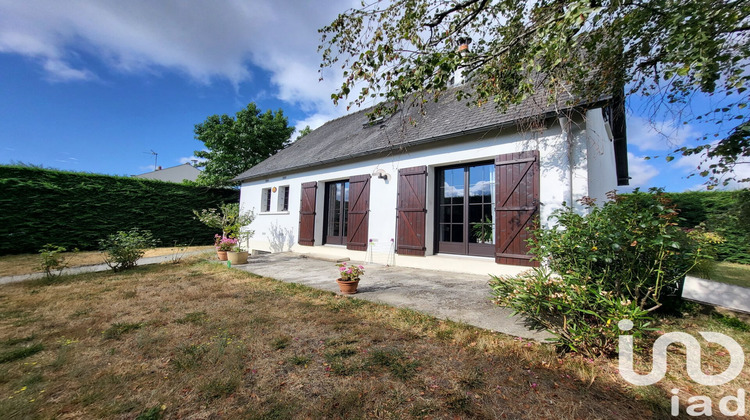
pixel 228 218
pixel 621 260
pixel 350 272
pixel 53 262
pixel 123 249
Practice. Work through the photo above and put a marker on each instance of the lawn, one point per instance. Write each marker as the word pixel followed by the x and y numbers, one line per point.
pixel 731 273
pixel 14 265
pixel 200 340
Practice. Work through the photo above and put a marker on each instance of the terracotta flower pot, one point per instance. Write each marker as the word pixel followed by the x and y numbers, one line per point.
pixel 222 255
pixel 348 287
pixel 237 257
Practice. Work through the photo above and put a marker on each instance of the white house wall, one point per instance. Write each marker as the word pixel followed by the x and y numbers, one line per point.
pixel 600 156
pixel 555 188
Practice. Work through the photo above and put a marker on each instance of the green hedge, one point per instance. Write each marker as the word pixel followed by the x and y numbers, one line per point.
pixel 723 212
pixel 71 209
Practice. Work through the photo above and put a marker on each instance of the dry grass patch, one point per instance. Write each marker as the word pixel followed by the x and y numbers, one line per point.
pixel 200 340
pixel 15 265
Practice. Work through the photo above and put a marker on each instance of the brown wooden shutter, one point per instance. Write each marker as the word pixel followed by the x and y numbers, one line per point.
pixel 307 214
pixel 359 210
pixel 411 211
pixel 517 206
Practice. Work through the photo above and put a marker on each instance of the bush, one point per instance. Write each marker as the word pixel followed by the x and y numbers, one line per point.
pixel 619 261
pixel 52 262
pixel 124 248
pixel 726 213
pixel 708 243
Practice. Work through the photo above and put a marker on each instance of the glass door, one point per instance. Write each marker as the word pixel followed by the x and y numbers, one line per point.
pixel 336 212
pixel 466 198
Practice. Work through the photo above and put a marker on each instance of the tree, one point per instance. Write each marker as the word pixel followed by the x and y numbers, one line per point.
pixel 665 51
pixel 305 131
pixel 235 144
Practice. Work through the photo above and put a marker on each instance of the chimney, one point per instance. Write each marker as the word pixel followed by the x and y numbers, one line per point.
pixel 463 48
pixel 158 168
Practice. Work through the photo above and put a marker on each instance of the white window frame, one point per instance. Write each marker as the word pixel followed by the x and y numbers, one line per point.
pixel 283 192
pixel 265 200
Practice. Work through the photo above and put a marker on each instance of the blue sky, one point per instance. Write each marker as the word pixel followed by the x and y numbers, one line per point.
pixel 95 86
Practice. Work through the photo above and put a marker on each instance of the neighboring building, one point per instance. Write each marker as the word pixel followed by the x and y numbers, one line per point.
pixel 177 173
pixel 453 188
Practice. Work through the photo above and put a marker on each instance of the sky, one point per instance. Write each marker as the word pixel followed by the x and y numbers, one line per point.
pixel 97 86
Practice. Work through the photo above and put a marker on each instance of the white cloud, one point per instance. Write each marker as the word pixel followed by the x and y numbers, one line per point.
pixel 641 172
pixel 659 136
pixel 203 40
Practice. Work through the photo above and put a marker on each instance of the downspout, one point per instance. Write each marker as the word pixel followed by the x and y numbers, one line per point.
pixel 568 136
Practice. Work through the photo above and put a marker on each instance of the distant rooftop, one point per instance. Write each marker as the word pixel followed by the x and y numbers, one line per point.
pixel 173 174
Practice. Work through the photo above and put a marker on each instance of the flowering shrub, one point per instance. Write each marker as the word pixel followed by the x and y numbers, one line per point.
pixel 224 244
pixel 620 260
pixel 350 272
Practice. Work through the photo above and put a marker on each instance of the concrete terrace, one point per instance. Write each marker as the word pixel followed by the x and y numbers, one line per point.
pixel 458 297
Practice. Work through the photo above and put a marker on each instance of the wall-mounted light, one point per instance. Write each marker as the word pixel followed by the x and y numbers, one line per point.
pixel 382 174
pixel 274 189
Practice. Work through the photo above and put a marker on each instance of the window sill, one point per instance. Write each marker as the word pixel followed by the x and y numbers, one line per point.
pixel 272 213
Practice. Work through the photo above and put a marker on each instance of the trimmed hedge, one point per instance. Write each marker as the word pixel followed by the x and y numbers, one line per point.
pixel 724 212
pixel 72 209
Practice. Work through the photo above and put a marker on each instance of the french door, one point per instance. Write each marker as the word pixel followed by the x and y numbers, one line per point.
pixel 465 209
pixel 336 212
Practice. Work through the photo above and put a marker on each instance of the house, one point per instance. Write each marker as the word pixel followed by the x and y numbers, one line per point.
pixel 177 173
pixel 451 188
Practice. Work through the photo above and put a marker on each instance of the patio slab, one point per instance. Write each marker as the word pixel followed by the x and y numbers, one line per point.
pixel 457 297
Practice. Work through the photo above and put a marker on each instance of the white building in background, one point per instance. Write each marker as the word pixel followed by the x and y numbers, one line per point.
pixel 177 173
pixel 443 186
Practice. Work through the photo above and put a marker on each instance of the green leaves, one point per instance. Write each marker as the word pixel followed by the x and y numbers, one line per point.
pixel 123 249
pixel 235 144
pixel 663 50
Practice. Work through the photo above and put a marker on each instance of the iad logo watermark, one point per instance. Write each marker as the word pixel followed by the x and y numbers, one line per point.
pixel 699 405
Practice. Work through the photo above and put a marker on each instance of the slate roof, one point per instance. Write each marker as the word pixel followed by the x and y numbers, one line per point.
pixel 345 138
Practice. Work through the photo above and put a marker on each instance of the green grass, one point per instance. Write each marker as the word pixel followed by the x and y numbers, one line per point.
pixel 117 329
pixel 20 353
pixel 201 340
pixel 731 273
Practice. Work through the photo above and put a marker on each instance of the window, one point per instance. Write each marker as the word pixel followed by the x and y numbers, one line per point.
pixel 465 213
pixel 283 199
pixel 265 200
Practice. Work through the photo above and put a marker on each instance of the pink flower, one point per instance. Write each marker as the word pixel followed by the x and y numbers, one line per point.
pixel 342 268
pixel 361 268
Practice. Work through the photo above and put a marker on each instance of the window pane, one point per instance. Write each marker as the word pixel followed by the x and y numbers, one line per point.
pixel 452 188
pixel 445 214
pixel 445 233
pixel 458 214
pixel 457 233
pixel 481 183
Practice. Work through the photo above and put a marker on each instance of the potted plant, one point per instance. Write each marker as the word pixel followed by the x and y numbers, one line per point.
pixel 230 220
pixel 483 231
pixel 349 280
pixel 224 245
pixel 237 256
